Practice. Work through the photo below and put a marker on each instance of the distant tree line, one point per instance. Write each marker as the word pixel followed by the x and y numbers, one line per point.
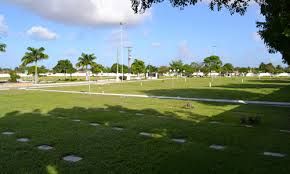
pixel 87 63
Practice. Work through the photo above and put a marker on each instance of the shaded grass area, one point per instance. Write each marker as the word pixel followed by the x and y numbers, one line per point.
pixel 223 88
pixel 36 115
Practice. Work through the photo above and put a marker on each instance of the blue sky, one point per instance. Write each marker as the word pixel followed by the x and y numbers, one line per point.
pixel 158 36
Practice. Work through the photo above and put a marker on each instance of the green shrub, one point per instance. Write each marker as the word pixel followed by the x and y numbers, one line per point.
pixel 13 76
pixel 253 120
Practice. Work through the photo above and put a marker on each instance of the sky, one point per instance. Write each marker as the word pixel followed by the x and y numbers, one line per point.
pixel 66 28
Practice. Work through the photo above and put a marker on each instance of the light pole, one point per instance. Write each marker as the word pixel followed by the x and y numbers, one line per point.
pixel 129 62
pixel 171 78
pixel 117 73
pixel 122 54
pixel 89 82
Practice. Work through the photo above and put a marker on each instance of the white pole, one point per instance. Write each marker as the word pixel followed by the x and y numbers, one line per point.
pixel 89 82
pixel 122 54
pixel 117 77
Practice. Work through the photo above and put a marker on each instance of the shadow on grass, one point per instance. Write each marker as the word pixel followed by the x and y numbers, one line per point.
pixel 283 80
pixel 205 93
pixel 230 91
pixel 108 151
pixel 105 150
pixel 254 85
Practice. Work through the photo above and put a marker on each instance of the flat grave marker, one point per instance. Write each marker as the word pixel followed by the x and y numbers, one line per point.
pixel 8 133
pixel 217 147
pixel 94 124
pixel 72 158
pixel 273 154
pixel 179 140
pixel 44 147
pixel 285 131
pixel 23 140
pixel 146 134
pixel 76 120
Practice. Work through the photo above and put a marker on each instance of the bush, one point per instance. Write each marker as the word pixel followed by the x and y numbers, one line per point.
pixel 72 80
pixel 251 120
pixel 124 77
pixel 188 106
pixel 13 76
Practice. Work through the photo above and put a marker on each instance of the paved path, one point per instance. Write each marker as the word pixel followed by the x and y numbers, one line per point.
pixel 281 104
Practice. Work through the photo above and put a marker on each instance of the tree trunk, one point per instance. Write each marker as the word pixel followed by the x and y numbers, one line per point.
pixel 65 75
pixel 35 73
pixel 87 78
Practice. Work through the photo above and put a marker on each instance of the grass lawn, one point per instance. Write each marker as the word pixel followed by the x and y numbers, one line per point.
pixel 46 118
pixel 275 89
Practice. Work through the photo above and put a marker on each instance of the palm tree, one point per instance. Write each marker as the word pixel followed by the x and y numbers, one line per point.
pixel 33 56
pixel 86 60
pixel 2 47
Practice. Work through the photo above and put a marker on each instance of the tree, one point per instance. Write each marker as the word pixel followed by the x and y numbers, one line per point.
pixel 138 66
pixel 196 66
pixel 275 30
pixel 86 60
pixel 235 6
pixel 64 66
pixel 40 70
pixel 269 68
pixel 34 55
pixel 97 68
pixel 13 76
pixel 262 67
pixel 227 68
pixel 188 69
pixel 176 65
pixel 163 69
pixel 2 47
pixel 242 69
pixel 20 69
pixel 279 69
pixel 287 69
pixel 114 68
pixel 107 69
pixel 212 63
pixel 5 70
pixel 151 68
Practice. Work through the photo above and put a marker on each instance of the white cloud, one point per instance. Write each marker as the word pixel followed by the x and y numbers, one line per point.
pixel 155 44
pixel 84 12
pixel 41 33
pixel 3 26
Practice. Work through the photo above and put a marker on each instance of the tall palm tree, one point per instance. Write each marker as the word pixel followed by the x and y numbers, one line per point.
pixel 2 47
pixel 34 55
pixel 85 61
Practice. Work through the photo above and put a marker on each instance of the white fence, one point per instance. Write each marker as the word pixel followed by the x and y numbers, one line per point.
pixel 78 74
pixel 200 74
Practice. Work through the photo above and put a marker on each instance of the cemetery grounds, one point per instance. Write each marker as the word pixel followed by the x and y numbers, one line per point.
pixel 41 127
